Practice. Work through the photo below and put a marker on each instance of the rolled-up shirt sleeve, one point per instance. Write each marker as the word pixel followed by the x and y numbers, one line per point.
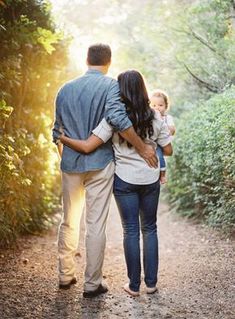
pixel 115 110
pixel 57 126
pixel 104 131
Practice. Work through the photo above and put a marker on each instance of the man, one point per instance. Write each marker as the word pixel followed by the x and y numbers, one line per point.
pixel 80 106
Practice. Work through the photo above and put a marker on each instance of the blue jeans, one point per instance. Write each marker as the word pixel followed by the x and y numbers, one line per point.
pixel 161 158
pixel 138 203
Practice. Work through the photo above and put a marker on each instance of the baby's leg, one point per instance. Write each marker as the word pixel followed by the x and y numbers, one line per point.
pixel 162 164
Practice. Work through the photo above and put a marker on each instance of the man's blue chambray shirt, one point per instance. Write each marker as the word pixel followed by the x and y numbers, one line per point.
pixel 80 106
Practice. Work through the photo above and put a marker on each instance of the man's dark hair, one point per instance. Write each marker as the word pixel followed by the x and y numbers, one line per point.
pixel 99 54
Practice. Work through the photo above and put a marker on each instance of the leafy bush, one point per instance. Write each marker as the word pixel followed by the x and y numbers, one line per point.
pixel 31 70
pixel 202 170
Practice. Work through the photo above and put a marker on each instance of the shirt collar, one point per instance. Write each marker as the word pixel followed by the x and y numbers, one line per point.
pixel 93 71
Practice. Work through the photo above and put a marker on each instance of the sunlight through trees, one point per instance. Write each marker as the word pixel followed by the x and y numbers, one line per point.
pixel 185 47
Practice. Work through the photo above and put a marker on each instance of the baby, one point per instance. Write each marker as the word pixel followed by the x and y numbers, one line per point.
pixel 160 102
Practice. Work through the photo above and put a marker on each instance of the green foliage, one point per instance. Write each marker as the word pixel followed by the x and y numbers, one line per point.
pixel 47 38
pixel 207 30
pixel 183 47
pixel 31 70
pixel 202 170
pixel 186 48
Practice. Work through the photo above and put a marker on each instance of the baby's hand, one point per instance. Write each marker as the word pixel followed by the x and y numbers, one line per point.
pixel 158 114
pixel 172 130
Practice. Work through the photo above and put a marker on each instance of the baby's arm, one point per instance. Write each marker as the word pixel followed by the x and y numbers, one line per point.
pixel 170 124
pixel 171 129
pixel 82 146
pixel 164 140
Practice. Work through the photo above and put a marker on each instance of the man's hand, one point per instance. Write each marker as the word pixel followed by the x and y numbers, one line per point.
pixel 148 153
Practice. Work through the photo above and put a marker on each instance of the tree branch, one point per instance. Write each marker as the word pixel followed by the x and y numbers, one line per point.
pixel 200 39
pixel 211 87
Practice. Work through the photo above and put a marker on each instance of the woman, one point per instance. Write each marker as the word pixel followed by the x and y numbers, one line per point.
pixel 136 185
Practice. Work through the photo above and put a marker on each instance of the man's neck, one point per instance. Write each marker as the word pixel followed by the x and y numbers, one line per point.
pixel 101 68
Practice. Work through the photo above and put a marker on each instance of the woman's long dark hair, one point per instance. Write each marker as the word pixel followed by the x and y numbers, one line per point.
pixel 134 95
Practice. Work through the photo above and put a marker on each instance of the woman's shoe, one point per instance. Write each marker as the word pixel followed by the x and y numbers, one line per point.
pixel 151 290
pixel 131 292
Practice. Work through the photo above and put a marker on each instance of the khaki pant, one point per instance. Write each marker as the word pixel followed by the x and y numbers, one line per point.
pixel 93 188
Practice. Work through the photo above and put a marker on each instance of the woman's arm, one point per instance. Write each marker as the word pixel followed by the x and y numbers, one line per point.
pixel 167 150
pixel 101 134
pixel 82 146
pixel 60 149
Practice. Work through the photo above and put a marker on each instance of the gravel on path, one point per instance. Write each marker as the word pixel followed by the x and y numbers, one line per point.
pixel 196 277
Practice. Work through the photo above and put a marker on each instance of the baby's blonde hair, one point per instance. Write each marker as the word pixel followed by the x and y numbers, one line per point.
pixel 160 93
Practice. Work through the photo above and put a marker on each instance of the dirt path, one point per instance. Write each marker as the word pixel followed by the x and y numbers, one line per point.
pixel 196 278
